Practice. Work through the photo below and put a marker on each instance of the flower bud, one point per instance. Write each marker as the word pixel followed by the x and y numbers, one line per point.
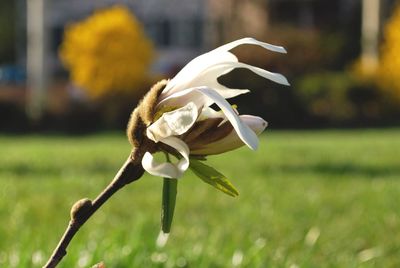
pixel 143 115
pixel 80 208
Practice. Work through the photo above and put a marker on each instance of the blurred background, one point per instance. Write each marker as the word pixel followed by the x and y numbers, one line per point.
pixel 82 66
pixel 321 191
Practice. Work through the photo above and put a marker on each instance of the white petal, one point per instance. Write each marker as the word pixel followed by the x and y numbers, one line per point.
pixel 204 61
pixel 244 132
pixel 209 76
pixel 184 96
pixel 183 78
pixel 232 140
pixel 197 73
pixel 182 148
pixel 208 112
pixel 250 41
pixel 276 77
pixel 205 96
pixel 166 170
pixel 256 123
pixel 192 95
pixel 173 123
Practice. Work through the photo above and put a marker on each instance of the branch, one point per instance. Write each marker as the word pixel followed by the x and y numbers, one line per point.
pixel 83 209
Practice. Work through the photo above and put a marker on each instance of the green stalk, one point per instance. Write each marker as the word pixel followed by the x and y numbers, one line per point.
pixel 168 202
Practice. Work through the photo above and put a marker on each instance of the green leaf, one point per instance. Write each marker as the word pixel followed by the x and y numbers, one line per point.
pixel 168 203
pixel 212 177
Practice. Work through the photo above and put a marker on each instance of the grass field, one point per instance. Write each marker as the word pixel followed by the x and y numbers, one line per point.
pixel 307 199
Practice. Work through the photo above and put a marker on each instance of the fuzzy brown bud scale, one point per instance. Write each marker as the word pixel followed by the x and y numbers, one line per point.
pixel 141 117
pixel 80 208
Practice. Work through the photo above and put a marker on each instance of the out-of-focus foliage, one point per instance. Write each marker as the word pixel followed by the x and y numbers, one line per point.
pixel 364 72
pixel 7 31
pixel 108 52
pixel 341 99
pixel 325 95
pixel 308 51
pixel 388 77
pixel 322 92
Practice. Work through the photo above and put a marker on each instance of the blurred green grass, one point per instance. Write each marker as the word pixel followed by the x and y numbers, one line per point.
pixel 307 199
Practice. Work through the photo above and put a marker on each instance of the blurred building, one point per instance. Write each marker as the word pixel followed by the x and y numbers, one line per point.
pixel 176 37
pixel 180 29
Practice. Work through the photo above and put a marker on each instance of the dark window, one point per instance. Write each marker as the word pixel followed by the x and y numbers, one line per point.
pixel 176 33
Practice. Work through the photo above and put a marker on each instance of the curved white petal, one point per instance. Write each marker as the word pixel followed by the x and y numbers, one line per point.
pixel 183 78
pixel 209 77
pixel 191 95
pixel 250 41
pixel 244 132
pixel 184 96
pixel 204 97
pixel 232 140
pixel 208 112
pixel 182 148
pixel 256 123
pixel 276 77
pixel 201 63
pixel 173 123
pixel 166 170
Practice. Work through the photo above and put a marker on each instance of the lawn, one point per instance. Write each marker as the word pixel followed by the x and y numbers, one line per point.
pixel 307 199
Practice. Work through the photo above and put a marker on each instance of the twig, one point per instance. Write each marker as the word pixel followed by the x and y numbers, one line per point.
pixel 83 209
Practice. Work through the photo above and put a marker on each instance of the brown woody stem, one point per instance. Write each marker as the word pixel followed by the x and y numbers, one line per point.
pixel 130 171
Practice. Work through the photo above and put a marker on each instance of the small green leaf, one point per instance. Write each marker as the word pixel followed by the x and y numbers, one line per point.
pixel 213 177
pixel 168 203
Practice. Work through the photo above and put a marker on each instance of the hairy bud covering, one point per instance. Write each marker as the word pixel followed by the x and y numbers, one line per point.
pixel 143 114
pixel 80 208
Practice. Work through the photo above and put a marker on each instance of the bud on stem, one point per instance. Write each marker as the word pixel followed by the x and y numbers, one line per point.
pixel 83 209
pixel 80 208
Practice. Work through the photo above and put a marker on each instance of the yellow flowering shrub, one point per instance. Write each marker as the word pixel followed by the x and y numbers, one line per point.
pixel 107 52
pixel 388 77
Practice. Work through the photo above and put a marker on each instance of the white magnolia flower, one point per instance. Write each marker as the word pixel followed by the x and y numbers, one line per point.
pixel 184 123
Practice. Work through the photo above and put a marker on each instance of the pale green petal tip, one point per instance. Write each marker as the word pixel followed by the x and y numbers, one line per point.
pixel 162 239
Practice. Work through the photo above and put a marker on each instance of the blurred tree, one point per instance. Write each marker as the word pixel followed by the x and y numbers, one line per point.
pixel 7 31
pixel 325 95
pixel 389 68
pixel 107 53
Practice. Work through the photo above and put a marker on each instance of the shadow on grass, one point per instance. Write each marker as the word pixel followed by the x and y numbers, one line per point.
pixel 340 169
pixel 26 169
pixel 103 167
